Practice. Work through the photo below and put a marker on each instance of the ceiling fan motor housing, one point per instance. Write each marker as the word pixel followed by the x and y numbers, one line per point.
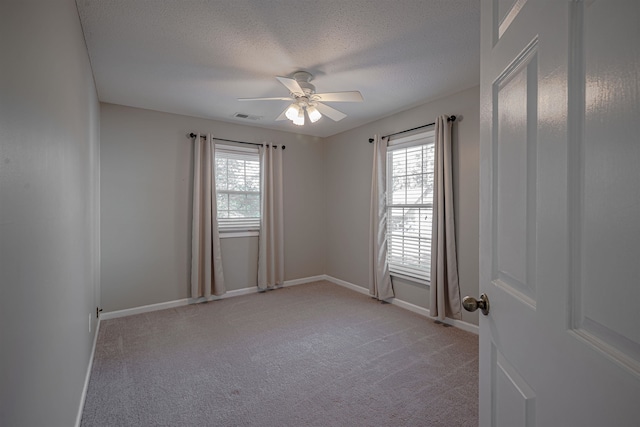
pixel 303 78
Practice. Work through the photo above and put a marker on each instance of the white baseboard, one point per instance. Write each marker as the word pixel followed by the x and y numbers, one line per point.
pixel 347 285
pixel 304 280
pixel 465 326
pixel 229 294
pixel 143 309
pixel 87 377
pixel 177 303
pixel 187 301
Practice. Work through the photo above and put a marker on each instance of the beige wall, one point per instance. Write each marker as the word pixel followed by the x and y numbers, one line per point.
pixel 49 242
pixel 348 182
pixel 146 162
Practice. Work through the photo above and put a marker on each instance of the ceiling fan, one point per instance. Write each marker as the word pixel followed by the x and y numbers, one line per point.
pixel 304 98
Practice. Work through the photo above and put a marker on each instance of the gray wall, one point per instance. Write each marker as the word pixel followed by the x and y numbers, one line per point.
pixel 348 182
pixel 49 172
pixel 146 162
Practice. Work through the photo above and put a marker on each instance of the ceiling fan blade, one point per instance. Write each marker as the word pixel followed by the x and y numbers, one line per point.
pixel 330 112
pixel 291 84
pixel 282 115
pixel 353 96
pixel 280 98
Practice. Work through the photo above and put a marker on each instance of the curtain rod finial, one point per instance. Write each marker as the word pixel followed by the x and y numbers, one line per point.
pixel 370 140
pixel 452 118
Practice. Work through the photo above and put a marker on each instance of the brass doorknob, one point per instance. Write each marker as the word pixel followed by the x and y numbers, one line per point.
pixel 472 304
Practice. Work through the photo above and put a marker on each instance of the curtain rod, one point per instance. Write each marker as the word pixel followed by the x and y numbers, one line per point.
pixel 450 119
pixel 193 135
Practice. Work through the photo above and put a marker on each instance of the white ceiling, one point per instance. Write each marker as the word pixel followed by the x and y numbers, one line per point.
pixel 196 57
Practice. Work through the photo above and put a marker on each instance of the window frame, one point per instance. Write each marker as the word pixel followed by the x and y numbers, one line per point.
pixel 243 227
pixel 425 138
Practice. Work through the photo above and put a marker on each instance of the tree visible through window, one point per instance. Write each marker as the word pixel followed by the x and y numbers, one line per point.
pixel 238 188
pixel 410 166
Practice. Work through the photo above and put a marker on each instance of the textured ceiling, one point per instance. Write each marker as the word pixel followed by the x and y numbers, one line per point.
pixel 196 57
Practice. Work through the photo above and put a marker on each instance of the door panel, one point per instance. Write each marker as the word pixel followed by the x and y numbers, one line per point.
pixel 607 182
pixel 514 176
pixel 514 399
pixel 559 212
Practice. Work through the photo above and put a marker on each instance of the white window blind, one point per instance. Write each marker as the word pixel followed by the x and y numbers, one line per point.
pixel 238 188
pixel 410 166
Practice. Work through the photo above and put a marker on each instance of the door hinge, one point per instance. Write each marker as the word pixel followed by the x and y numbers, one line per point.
pixel 98 311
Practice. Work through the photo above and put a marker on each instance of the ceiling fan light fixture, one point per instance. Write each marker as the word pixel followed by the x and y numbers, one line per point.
pixel 293 111
pixel 314 114
pixel 299 120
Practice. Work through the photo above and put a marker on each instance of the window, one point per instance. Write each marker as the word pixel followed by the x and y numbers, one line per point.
pixel 410 165
pixel 238 188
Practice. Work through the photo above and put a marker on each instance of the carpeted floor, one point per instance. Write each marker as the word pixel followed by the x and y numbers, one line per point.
pixel 309 355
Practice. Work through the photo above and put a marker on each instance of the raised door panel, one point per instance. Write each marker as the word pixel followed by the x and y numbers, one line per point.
pixel 514 399
pixel 514 176
pixel 606 179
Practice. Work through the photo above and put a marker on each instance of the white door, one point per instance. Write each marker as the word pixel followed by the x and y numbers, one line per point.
pixel 560 213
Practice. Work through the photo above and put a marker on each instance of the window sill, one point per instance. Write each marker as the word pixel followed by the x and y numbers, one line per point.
pixel 230 234
pixel 422 282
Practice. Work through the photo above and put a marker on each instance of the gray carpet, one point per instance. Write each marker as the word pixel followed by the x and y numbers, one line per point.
pixel 309 355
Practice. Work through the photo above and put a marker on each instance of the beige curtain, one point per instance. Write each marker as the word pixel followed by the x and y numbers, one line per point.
pixel 271 244
pixel 207 277
pixel 445 291
pixel 380 285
